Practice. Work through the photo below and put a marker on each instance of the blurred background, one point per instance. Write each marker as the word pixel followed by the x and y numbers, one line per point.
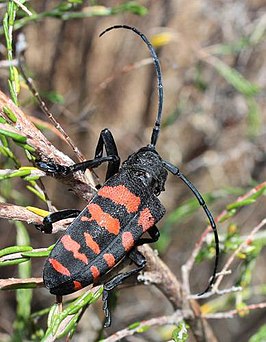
pixel 212 55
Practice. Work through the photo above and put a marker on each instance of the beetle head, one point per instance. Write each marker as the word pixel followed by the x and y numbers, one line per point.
pixel 146 164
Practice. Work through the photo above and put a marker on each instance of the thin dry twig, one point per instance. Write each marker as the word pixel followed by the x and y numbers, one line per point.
pixel 173 319
pixel 187 267
pixel 232 313
pixel 232 257
pixel 44 150
pixel 17 213
pixel 14 283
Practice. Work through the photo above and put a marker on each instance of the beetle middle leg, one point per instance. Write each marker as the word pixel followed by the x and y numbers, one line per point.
pixel 47 226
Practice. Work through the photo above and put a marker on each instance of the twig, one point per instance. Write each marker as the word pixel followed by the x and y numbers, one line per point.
pixel 14 283
pixel 173 319
pixel 42 104
pixel 232 313
pixel 168 284
pixel 44 150
pixel 18 213
pixel 187 267
pixel 232 257
pixel 124 70
pixel 218 292
pixel 23 7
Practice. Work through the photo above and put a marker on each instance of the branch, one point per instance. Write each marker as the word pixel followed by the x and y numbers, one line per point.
pixel 173 319
pixel 187 267
pixel 43 149
pixel 18 213
pixel 13 283
pixel 232 313
pixel 232 257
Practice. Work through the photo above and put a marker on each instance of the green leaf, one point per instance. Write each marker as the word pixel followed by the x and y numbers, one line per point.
pixel 260 335
pixel 180 334
pixel 13 262
pixel 15 136
pixel 10 114
pixel 14 249
pixel 36 254
pixel 133 325
pixel 240 204
pixel 236 79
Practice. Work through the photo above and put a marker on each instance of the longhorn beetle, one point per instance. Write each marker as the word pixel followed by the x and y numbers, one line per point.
pixel 111 226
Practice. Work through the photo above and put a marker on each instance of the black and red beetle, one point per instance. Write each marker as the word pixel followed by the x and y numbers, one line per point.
pixel 111 226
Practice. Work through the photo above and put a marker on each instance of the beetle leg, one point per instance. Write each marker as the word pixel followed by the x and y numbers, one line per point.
pixel 154 236
pixel 63 170
pixel 140 261
pixel 47 226
pixel 106 140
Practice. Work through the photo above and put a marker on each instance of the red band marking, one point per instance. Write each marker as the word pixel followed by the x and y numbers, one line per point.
pixel 84 218
pixel 121 195
pixel 59 267
pixel 110 259
pixel 74 247
pixel 77 285
pixel 146 220
pixel 127 241
pixel 93 245
pixel 103 219
pixel 95 272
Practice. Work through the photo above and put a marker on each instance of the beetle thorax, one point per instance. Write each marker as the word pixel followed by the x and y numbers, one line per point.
pixel 147 166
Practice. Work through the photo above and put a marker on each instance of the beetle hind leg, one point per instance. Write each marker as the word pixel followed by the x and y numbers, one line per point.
pixel 140 261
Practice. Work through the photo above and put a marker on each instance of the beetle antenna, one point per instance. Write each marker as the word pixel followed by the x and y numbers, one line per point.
pixel 175 171
pixel 157 125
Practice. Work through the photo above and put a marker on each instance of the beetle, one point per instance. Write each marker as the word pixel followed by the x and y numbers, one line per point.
pixel 111 226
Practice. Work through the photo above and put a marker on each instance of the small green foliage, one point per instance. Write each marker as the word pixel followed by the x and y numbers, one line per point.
pixel 56 318
pixel 13 262
pixel 180 334
pixel 130 6
pixel 14 249
pixel 36 192
pixel 8 26
pixel 260 335
pixel 133 325
pixel 10 114
pixel 54 97
pixel 36 254
pixel 233 77
pixel 15 136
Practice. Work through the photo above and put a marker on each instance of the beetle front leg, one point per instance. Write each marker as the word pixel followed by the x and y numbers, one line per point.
pixel 106 141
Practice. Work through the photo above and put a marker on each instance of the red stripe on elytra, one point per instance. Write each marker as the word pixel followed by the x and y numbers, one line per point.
pixel 110 259
pixel 84 218
pixel 95 272
pixel 93 245
pixel 59 267
pixel 127 241
pixel 146 220
pixel 121 195
pixel 103 219
pixel 74 247
pixel 77 285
